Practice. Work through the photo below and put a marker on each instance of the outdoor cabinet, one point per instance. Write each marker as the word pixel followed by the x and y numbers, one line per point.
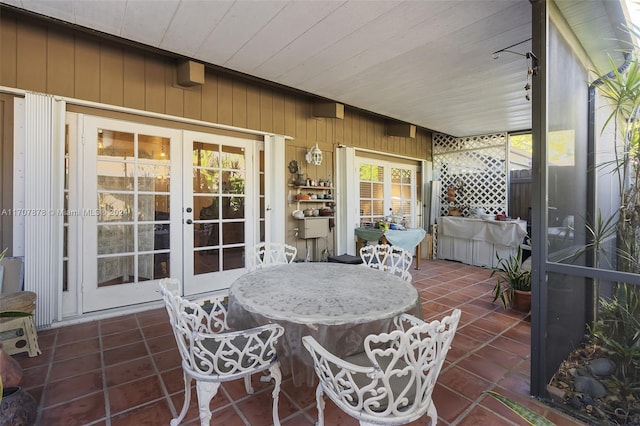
pixel 314 227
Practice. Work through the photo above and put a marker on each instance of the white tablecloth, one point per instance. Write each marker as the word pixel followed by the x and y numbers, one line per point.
pixel 506 233
pixel 407 239
pixel 336 303
pixel 478 242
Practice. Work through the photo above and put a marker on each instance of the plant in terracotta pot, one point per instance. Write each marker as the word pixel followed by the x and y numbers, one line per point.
pixel 513 286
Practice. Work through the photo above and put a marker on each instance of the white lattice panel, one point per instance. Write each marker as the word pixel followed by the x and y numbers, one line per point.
pixel 476 166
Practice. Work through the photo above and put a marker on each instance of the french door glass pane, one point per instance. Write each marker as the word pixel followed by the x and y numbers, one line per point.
pixel 206 235
pixel 115 270
pixel 233 258
pixel 219 184
pixel 114 175
pixel 146 237
pixel 153 147
pixel 233 182
pixel 206 181
pixel 207 155
pixel 208 207
pixel 232 207
pixel 153 177
pixel 233 232
pixel 206 261
pixel 396 176
pixel 378 191
pixel 233 158
pixel 112 143
pixel 115 207
pixel 378 208
pixel 115 239
pixel 366 190
pixel 133 177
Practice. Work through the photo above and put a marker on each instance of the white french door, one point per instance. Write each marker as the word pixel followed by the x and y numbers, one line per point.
pixel 131 216
pixel 219 208
pixel 159 202
pixel 386 188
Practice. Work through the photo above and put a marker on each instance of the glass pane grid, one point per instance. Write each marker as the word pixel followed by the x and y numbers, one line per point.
pixel 133 213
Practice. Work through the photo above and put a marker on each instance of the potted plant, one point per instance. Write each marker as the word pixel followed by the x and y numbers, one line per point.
pixel 513 286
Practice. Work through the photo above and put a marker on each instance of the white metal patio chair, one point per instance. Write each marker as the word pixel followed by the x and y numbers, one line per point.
pixel 269 254
pixel 392 380
pixel 213 353
pixel 388 258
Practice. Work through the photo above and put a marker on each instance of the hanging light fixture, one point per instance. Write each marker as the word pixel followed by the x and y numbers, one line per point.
pixel 532 64
pixel 314 156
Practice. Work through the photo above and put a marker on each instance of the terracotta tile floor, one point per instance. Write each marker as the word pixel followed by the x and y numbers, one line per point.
pixel 126 370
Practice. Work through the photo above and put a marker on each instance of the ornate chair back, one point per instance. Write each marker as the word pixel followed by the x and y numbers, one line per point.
pixel 398 262
pixel 263 255
pixel 212 352
pixel 388 258
pixel 392 380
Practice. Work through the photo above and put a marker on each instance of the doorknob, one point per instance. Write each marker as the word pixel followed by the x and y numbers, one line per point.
pixel 189 209
pixel 189 221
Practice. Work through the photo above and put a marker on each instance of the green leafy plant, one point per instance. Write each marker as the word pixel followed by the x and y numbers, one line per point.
pixel 525 413
pixel 617 331
pixel 511 276
pixel 622 90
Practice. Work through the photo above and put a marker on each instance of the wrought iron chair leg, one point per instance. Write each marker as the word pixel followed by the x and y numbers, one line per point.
pixel 187 400
pixel 206 392
pixel 247 385
pixel 320 404
pixel 276 375
pixel 433 414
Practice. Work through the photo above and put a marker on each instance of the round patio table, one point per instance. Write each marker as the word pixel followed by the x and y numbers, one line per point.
pixel 337 304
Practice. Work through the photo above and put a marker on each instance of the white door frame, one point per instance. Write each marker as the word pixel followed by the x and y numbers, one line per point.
pixel 73 300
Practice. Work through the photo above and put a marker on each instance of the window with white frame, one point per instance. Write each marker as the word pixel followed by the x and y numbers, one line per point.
pixel 386 188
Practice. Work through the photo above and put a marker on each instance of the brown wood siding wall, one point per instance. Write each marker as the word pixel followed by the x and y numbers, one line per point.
pixel 41 57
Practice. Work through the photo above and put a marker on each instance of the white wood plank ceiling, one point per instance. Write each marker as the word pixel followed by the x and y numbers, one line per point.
pixel 425 62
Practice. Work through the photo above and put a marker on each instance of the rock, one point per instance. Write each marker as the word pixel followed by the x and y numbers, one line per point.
pixel 589 386
pixel 587 400
pixel 575 402
pixel 601 367
pixel 582 371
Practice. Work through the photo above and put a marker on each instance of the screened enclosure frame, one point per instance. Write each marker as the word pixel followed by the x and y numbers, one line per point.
pixel 549 267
